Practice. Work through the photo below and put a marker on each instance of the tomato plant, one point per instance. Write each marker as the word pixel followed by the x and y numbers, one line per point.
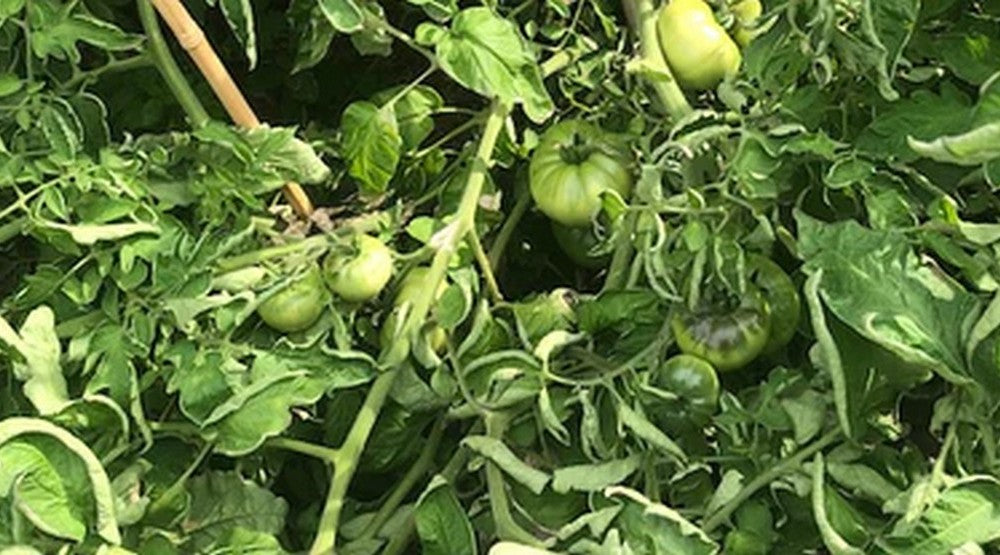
pixel 311 304
pixel 572 165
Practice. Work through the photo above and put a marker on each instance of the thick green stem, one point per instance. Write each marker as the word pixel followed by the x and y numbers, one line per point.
pixel 168 67
pixel 661 79
pixel 783 467
pixel 451 236
pixel 349 454
pixel 402 489
pixel 346 462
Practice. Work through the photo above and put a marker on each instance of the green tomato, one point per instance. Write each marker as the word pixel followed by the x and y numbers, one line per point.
pixel 746 13
pixel 577 243
pixel 363 276
pixel 699 51
pixel 692 379
pixel 297 306
pixel 574 163
pixel 728 338
pixel 782 298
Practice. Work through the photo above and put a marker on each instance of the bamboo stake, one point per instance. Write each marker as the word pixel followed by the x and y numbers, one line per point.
pixel 192 40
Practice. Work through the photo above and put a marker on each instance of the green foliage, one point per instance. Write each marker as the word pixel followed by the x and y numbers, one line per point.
pixel 502 385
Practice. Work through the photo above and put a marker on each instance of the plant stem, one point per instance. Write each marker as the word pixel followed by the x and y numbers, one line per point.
pixel 662 81
pixel 304 447
pixel 506 527
pixel 771 474
pixel 12 229
pixel 484 265
pixel 402 489
pixel 168 67
pixel 349 454
pixel 622 258
pixel 277 251
pixel 507 229
pixel 133 62
pixel 346 462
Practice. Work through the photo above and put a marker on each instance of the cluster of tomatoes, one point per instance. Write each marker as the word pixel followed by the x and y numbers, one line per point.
pixel 576 163
pixel 355 277
pixel 573 166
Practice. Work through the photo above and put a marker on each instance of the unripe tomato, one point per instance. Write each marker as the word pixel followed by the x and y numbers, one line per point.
pixel 577 242
pixel 746 13
pixel 692 379
pixel 297 306
pixel 729 338
pixel 362 277
pixel 699 51
pixel 782 298
pixel 574 163
pixel 410 288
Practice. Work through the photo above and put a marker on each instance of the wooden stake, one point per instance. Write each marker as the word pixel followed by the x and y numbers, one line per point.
pixel 192 40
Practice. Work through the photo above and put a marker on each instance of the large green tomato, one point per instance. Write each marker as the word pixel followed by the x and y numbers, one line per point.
pixel 692 379
pixel 577 242
pixel 746 13
pixel 363 276
pixel 782 298
pixel 297 306
pixel 727 337
pixel 572 165
pixel 699 51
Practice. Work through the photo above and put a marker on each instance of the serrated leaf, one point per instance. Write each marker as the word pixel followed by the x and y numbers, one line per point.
pixel 372 145
pixel 485 53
